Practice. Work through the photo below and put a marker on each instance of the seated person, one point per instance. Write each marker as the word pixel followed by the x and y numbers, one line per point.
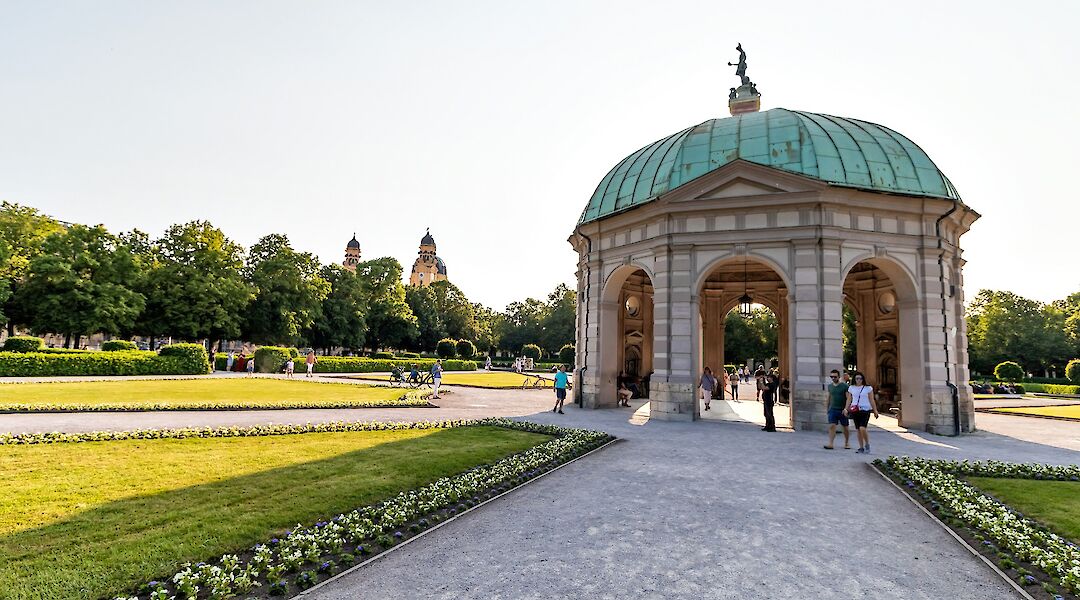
pixel 624 395
pixel 414 374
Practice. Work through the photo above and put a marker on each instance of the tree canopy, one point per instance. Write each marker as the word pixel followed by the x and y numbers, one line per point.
pixel 289 291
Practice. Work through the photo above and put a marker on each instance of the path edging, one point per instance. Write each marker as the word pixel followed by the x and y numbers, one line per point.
pixel 386 552
pixel 1023 593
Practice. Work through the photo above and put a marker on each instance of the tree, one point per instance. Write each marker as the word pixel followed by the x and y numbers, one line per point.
pixel 446 348
pixel 559 320
pixel 196 288
pixel 521 324
pixel 343 321
pixel 750 337
pixel 487 324
pixel 289 291
pixel 455 310
pixel 80 284
pixel 1008 371
pixel 1004 326
pixel 390 321
pixel 22 232
pixel 430 327
pixel 849 326
pixel 465 349
pixel 1072 371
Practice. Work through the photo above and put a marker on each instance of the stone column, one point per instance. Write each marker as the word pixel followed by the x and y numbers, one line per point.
pixel 818 335
pixel 671 391
pixel 587 344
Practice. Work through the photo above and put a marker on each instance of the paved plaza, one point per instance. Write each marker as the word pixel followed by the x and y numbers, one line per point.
pixel 715 508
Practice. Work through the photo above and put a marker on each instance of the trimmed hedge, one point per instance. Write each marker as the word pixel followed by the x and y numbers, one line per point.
pixel 531 351
pixel 194 356
pixel 1008 371
pixel 566 354
pixel 1072 370
pixel 407 355
pixel 118 345
pixel 271 359
pixel 349 364
pixel 383 355
pixel 446 348
pixel 1049 388
pixel 24 343
pixel 465 349
pixel 123 362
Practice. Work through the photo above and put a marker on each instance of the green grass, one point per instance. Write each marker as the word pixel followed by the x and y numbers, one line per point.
pixel 189 394
pixel 94 519
pixel 1071 411
pixel 1055 504
pixel 498 379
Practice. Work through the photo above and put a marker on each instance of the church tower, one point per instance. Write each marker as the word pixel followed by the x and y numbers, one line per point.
pixel 352 254
pixel 428 267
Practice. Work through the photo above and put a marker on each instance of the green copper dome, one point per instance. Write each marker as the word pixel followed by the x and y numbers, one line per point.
pixel 836 150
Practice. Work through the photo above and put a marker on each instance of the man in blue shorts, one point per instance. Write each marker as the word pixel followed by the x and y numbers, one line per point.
pixel 837 404
pixel 560 390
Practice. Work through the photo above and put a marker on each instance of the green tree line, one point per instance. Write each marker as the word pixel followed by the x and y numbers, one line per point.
pixel 194 283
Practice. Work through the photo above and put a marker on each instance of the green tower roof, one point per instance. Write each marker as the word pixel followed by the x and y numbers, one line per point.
pixel 839 151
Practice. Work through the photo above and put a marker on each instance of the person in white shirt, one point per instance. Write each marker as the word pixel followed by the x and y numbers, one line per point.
pixel 861 403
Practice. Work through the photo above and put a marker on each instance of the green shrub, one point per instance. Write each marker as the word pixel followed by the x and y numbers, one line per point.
pixel 23 343
pixel 566 355
pixel 192 356
pixel 408 355
pixel 117 345
pixel 446 348
pixel 1008 371
pixel 1049 388
pixel 121 362
pixel 465 349
pixel 384 355
pixel 355 364
pixel 1072 370
pixel 531 351
pixel 271 359
pixel 294 353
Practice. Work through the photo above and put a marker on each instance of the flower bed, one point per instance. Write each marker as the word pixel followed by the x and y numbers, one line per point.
pixel 1024 548
pixel 298 559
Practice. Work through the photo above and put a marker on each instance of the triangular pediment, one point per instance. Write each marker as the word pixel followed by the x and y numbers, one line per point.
pixel 738 188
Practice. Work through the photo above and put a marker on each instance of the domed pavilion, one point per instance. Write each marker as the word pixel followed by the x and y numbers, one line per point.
pixel 799 212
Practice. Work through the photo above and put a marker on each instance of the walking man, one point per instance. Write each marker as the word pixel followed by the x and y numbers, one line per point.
pixel 560 390
pixel 229 361
pixel 837 403
pixel 768 398
pixel 436 377
pixel 310 361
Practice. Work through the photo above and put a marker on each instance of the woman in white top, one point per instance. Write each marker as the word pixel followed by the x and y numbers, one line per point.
pixel 861 403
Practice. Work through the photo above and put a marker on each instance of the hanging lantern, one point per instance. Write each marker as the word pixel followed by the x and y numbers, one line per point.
pixel 744 306
pixel 746 300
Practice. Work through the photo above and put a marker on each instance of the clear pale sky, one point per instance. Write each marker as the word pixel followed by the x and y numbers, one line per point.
pixel 492 122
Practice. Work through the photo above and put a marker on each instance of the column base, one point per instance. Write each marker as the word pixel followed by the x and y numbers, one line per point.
pixel 672 401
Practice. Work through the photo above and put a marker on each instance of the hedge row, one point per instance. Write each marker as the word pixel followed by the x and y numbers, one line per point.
pixel 177 359
pixel 1048 388
pixel 356 364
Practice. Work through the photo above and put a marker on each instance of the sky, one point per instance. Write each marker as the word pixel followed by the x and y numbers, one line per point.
pixel 493 122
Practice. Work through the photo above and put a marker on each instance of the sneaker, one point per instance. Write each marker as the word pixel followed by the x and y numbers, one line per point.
pixel 866 450
pixel 561 412
pixel 860 451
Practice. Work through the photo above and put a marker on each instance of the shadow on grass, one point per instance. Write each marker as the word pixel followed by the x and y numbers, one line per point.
pixel 113 548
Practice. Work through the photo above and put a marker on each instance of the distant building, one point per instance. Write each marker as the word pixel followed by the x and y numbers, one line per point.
pixel 352 254
pixel 428 267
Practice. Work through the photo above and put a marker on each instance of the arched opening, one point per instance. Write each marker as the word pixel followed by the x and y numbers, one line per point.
pixel 881 303
pixel 730 339
pixel 626 336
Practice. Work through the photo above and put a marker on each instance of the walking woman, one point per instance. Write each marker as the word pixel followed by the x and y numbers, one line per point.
pixel 861 403
pixel 708 384
pixel 768 397
pixel 734 381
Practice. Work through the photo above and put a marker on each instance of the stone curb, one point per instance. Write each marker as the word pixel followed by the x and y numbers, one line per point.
pixel 304 593
pixel 1023 593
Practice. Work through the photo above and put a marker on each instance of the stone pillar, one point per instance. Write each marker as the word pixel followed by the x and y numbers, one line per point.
pixel 671 391
pixel 587 344
pixel 817 334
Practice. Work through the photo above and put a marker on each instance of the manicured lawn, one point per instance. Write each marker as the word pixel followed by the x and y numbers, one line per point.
pixel 94 519
pixel 497 379
pixel 1071 411
pixel 191 393
pixel 1055 504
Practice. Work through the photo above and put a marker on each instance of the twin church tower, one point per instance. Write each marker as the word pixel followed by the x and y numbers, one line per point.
pixel 427 268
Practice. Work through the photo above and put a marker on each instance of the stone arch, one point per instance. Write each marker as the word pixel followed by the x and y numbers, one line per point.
pixel 703 273
pixel 899 342
pixel 620 333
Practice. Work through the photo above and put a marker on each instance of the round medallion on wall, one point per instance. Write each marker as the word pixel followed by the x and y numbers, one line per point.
pixel 887 302
pixel 633 306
